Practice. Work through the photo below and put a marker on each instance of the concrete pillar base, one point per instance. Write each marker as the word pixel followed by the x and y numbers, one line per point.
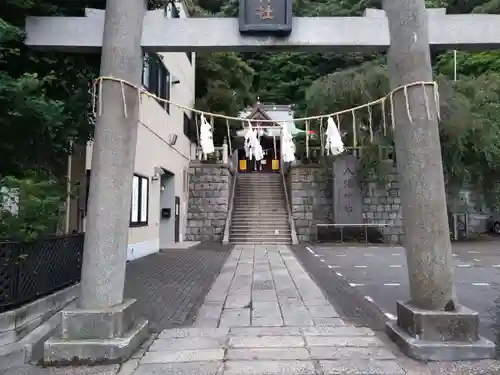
pixel 439 335
pixel 96 336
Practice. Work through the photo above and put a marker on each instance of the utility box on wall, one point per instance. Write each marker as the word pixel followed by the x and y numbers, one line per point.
pixel 265 17
pixel 166 213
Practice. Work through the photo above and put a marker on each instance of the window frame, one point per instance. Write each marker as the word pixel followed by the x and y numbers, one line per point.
pixel 158 80
pixel 140 222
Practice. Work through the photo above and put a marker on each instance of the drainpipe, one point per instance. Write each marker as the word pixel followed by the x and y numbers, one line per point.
pixel 68 189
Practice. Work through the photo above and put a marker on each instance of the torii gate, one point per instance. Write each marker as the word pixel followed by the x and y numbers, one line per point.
pixel 431 325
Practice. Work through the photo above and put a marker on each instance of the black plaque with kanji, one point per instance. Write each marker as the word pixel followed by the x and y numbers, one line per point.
pixel 265 17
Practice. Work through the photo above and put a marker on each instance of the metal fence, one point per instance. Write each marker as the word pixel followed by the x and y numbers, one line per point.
pixel 30 270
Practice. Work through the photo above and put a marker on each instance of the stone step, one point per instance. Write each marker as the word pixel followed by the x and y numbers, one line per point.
pixel 252 221
pixel 265 242
pixel 278 203
pixel 264 207
pixel 262 198
pixel 258 200
pixel 271 215
pixel 256 191
pixel 262 215
pixel 267 231
pixel 259 185
pixel 259 234
pixel 260 209
pixel 260 238
pixel 263 228
pixel 259 182
pixel 267 225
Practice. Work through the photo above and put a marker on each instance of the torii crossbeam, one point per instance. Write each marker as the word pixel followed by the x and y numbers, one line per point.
pixel 369 33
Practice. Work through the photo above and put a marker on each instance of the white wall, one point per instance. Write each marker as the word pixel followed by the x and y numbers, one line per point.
pixel 153 151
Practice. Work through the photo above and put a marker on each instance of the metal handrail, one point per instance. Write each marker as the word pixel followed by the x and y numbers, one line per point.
pixel 365 226
pixel 227 227
pixel 295 241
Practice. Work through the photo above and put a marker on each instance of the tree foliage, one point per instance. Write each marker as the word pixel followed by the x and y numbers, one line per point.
pixel 30 207
pixel 44 96
pixel 469 127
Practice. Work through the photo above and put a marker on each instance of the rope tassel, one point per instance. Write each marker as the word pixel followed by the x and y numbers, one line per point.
pixel 203 139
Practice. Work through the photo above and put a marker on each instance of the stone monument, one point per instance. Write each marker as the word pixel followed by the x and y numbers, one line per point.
pixel 347 198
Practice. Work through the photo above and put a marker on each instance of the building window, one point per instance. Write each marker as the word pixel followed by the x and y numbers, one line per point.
pixel 187 124
pixel 140 201
pixel 190 128
pixel 156 79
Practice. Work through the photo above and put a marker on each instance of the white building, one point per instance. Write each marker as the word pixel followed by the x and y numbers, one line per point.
pixel 164 149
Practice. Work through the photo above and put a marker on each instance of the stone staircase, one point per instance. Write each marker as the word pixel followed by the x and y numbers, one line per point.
pixel 259 214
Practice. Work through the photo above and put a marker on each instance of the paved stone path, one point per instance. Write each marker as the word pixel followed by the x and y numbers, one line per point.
pixel 265 315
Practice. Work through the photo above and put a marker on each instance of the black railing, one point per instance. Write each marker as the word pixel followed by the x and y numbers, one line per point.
pixel 30 270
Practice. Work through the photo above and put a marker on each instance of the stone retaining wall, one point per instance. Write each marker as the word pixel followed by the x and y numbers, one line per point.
pixel 311 195
pixel 310 190
pixel 382 205
pixel 209 189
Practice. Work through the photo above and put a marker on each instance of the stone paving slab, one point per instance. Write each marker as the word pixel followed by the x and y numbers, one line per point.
pixel 265 315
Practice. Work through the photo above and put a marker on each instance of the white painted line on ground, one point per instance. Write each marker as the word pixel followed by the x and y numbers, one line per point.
pixel 368 298
pixel 463 265
pixel 477 260
pixel 322 260
pixel 480 284
pixel 368 255
pixel 454 255
pixel 359 266
pixel 355 285
pixel 473 252
pixel 496 266
pixel 395 254
pixel 390 316
pixel 310 250
pixel 396 266
pixel 316 255
pixel 333 267
pixel 340 255
pixel 338 274
pixel 392 284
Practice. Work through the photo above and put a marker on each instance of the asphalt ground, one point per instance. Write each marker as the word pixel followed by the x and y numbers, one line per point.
pixel 378 274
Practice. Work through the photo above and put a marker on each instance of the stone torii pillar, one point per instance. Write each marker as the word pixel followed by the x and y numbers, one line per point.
pixel 103 328
pixel 432 325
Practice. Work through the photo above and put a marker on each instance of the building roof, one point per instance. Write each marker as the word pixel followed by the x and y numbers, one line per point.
pixel 279 113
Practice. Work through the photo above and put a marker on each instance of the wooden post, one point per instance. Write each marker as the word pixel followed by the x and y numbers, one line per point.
pixel 307 139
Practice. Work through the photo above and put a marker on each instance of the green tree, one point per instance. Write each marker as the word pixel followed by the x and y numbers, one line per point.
pixel 223 79
pixel 30 207
pixel 469 127
pixel 44 96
